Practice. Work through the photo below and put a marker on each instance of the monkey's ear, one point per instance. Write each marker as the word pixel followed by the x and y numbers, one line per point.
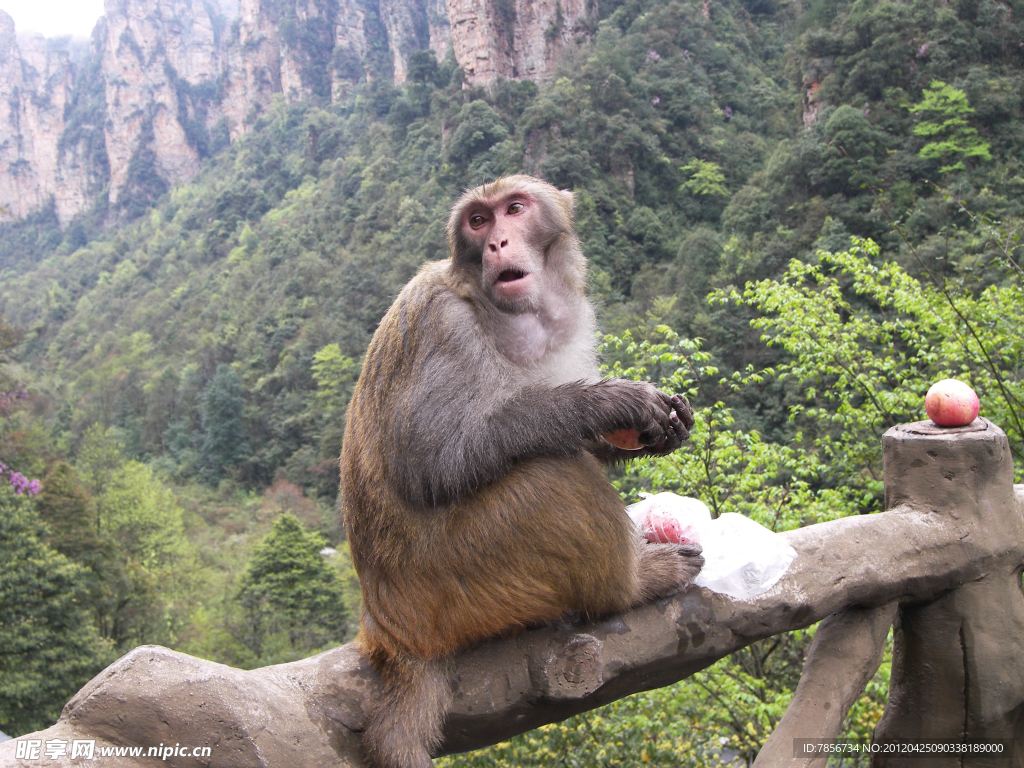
pixel 570 200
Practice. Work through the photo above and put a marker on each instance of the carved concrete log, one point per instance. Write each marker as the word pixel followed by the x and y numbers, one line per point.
pixel 958 661
pixel 842 659
pixel 311 712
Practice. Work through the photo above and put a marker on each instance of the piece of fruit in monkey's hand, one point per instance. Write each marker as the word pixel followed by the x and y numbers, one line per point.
pixel 626 439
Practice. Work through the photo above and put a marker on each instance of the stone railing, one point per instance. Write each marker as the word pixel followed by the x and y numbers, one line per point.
pixel 943 563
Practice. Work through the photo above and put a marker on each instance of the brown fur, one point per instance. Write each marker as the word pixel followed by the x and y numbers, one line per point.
pixel 473 493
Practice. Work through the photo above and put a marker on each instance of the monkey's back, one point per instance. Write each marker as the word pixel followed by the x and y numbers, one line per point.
pixel 548 537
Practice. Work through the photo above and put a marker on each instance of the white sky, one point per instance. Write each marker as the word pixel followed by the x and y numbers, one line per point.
pixel 54 18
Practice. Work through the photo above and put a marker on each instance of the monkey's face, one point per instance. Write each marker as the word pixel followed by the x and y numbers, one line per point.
pixel 509 233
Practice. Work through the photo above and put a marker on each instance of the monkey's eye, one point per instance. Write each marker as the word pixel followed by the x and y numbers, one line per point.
pixel 515 208
pixel 476 221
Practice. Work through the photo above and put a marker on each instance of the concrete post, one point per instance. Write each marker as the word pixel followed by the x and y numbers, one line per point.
pixel 958 661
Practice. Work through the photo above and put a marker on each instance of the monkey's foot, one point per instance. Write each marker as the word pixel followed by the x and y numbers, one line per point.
pixel 666 568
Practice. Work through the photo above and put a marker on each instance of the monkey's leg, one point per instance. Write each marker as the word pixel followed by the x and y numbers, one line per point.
pixel 404 726
pixel 665 568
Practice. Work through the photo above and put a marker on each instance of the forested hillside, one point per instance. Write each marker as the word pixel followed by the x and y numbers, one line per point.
pixel 186 374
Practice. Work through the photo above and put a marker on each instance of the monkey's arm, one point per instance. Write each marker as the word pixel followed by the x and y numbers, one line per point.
pixel 457 436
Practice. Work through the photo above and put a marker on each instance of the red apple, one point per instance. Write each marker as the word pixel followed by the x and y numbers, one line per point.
pixel 951 403
pixel 627 439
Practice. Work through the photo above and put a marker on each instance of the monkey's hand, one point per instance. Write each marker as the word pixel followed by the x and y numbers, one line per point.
pixel 658 422
pixel 680 423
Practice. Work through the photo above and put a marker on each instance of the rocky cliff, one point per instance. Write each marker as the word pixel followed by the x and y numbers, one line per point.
pixel 154 56
pixel 512 39
pixel 168 82
pixel 36 84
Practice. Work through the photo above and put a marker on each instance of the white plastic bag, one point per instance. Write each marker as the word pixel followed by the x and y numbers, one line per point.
pixel 741 558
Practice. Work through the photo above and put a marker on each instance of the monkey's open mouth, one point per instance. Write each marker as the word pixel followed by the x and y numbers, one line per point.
pixel 510 276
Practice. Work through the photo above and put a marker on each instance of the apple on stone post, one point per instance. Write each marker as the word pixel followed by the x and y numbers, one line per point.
pixel 951 403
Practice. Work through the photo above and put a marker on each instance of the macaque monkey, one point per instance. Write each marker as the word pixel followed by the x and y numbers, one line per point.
pixel 473 491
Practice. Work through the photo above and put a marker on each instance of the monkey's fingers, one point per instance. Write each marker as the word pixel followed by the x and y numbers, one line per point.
pixel 682 407
pixel 679 431
pixel 670 433
pixel 661 431
pixel 693 560
pixel 654 419
pixel 673 439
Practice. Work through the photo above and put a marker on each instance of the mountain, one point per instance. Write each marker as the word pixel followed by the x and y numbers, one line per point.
pixel 708 144
pixel 167 83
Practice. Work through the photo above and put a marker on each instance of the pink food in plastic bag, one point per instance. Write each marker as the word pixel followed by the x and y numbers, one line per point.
pixel 661 528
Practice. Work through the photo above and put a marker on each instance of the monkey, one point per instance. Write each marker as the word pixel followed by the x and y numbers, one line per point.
pixel 473 492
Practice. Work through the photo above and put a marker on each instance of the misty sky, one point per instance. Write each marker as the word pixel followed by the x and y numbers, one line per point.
pixel 54 18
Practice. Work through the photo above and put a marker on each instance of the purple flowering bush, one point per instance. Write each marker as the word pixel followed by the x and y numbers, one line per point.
pixel 20 483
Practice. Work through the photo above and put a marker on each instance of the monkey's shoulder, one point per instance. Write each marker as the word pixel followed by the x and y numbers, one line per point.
pixel 433 301
pixel 426 316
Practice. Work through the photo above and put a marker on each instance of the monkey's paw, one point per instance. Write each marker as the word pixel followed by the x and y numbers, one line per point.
pixel 667 568
pixel 680 422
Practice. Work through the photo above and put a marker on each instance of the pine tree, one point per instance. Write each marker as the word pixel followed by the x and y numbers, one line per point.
pixel 66 507
pixel 292 597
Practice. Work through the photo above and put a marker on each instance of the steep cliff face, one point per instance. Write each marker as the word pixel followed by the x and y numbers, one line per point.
pixel 405 22
pixel 253 66
pixel 351 45
pixel 438 28
pixel 170 81
pixel 36 85
pixel 160 59
pixel 513 39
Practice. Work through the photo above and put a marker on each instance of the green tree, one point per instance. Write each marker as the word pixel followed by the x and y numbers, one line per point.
pixel 423 67
pixel 98 456
pixel 8 338
pixel 142 515
pixel 161 405
pixel 706 178
pixel 67 508
pixel 865 341
pixel 849 159
pixel 479 128
pixel 293 599
pixel 951 138
pixel 334 374
pixel 49 647
pixel 148 580
pixel 224 444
